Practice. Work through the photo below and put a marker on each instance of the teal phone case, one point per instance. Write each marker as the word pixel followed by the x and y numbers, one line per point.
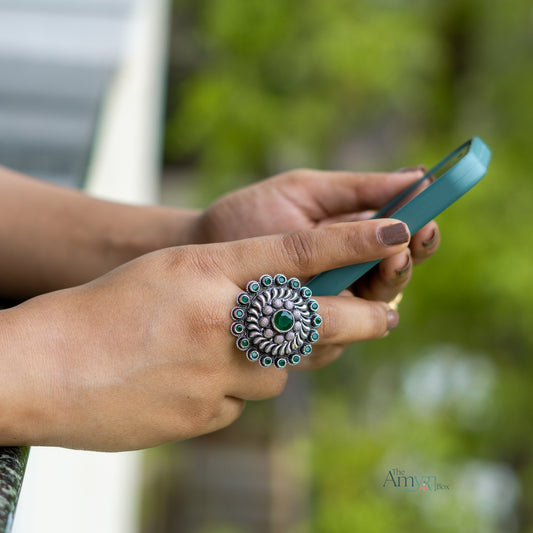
pixel 472 162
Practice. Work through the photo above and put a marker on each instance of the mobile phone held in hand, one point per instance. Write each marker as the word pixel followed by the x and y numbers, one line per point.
pixel 421 202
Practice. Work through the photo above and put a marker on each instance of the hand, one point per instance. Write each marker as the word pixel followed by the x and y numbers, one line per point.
pixel 144 354
pixel 304 199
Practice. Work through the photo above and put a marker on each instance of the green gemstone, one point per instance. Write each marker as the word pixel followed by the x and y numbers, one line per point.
pixel 295 284
pixel 253 355
pixel 267 281
pixel 244 343
pixel 317 320
pixel 295 359
pixel 238 328
pixel 313 305
pixel 266 361
pixel 306 350
pixel 314 336
pixel 283 320
pixel 254 287
pixel 281 279
pixel 306 292
pixel 238 313
pixel 244 299
pixel 281 363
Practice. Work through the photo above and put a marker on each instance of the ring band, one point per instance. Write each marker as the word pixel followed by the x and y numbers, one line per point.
pixel 395 302
pixel 275 321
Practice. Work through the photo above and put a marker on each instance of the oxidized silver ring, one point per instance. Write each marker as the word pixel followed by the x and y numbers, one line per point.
pixel 275 321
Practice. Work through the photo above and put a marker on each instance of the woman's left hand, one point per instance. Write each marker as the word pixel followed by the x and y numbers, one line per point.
pixel 303 199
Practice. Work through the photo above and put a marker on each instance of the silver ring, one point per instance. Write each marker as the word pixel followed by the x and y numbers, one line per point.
pixel 275 321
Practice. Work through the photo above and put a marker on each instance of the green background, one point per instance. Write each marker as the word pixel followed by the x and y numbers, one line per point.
pixel 258 87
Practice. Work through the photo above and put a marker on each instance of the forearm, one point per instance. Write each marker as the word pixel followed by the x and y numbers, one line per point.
pixel 52 237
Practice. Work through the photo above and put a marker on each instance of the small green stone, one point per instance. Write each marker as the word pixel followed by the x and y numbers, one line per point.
pixel 267 361
pixel 295 359
pixel 283 320
pixel 238 313
pixel 281 279
pixel 244 299
pixel 306 292
pixel 253 355
pixel 238 328
pixel 281 363
pixel 317 320
pixel 244 343
pixel 267 281
pixel 313 305
pixel 295 284
pixel 314 336
pixel 307 349
pixel 254 287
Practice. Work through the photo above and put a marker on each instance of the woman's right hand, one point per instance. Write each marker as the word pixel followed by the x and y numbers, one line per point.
pixel 144 354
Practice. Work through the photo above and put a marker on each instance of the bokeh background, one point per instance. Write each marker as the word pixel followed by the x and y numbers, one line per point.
pixel 259 87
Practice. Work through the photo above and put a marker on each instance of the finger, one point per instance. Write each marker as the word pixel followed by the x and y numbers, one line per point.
pixel 320 357
pixel 347 217
pixel 425 242
pixel 346 319
pixel 253 382
pixel 309 252
pixel 387 279
pixel 230 409
pixel 344 192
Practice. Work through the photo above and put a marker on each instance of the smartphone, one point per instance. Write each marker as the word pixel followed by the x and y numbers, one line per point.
pixel 421 202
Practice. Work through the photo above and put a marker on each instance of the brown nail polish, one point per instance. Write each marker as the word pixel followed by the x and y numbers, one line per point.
pixel 431 240
pixel 393 319
pixel 393 234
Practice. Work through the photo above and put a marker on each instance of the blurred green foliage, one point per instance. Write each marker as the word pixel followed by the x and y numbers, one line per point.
pixel 258 87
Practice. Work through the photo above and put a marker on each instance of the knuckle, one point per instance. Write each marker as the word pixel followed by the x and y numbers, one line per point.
pixel 298 249
pixel 330 324
pixel 378 320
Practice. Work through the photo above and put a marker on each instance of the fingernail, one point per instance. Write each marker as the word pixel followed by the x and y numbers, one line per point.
pixel 423 168
pixel 402 271
pixel 431 240
pixel 393 234
pixel 393 319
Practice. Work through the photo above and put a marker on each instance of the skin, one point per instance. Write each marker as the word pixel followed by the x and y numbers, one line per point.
pixel 111 357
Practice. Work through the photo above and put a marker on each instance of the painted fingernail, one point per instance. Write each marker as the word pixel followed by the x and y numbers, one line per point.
pixel 402 271
pixel 393 319
pixel 393 234
pixel 431 240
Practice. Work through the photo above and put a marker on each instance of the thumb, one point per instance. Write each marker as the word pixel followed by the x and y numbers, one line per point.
pixel 309 252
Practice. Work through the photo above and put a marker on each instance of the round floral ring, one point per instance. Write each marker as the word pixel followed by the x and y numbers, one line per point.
pixel 275 321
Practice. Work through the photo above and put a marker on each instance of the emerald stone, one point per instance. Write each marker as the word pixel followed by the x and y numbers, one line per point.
pixel 306 292
pixel 317 320
pixel 266 281
pixel 306 350
pixel 283 320
pixel 243 343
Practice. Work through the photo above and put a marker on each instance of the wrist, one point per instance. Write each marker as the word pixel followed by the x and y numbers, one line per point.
pixel 25 412
pixel 137 230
